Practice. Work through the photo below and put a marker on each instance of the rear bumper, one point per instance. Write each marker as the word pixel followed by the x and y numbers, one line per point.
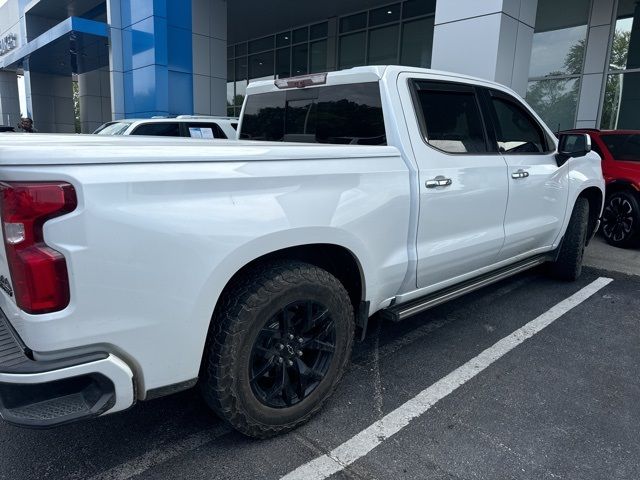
pixel 42 394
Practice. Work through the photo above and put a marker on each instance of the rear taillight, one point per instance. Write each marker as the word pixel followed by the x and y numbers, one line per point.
pixel 38 272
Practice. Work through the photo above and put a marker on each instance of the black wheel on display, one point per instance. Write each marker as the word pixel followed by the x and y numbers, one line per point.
pixel 279 344
pixel 621 219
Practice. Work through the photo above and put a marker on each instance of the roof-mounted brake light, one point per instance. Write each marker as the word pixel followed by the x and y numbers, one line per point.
pixel 302 81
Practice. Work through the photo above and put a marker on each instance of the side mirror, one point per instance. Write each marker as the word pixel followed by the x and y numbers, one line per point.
pixel 572 145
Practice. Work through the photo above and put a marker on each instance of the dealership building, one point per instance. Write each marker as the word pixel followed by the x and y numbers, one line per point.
pixel 74 64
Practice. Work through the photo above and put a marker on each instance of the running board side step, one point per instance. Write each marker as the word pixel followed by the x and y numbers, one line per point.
pixel 396 313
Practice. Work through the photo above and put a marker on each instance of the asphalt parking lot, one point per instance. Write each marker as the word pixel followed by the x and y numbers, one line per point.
pixel 562 404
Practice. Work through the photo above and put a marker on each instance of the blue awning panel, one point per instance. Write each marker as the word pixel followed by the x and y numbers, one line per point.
pixel 76 45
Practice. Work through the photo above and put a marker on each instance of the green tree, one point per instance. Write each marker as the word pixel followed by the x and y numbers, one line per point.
pixel 618 61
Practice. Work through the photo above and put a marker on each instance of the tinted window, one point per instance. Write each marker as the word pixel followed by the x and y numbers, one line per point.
pixel 164 129
pixel 113 128
pixel 451 118
pixel 624 147
pixel 204 130
pixel 341 114
pixel 516 130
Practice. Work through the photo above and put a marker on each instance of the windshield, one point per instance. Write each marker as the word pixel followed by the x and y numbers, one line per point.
pixel 113 128
pixel 624 147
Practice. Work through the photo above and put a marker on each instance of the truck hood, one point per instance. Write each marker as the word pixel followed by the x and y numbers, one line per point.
pixel 56 149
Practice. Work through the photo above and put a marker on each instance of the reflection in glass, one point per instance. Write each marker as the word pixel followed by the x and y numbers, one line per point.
pixel 353 22
pixel 319 30
pixel 621 106
pixel 299 59
pixel 383 15
pixel 383 45
pixel 556 101
pixel 414 8
pixel 283 62
pixel 318 60
pixel 261 65
pixel 417 43
pixel 352 50
pixel 558 52
pixel 301 35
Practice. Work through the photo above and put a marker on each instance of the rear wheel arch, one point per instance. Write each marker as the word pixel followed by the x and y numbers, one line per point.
pixel 339 261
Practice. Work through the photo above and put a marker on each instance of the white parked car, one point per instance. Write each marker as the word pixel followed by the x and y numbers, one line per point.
pixel 193 126
pixel 134 268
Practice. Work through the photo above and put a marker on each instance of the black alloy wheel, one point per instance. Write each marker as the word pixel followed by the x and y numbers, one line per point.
pixel 292 354
pixel 279 343
pixel 620 219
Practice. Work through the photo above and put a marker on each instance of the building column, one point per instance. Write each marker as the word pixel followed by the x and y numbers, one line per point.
pixel 151 61
pixel 95 99
pixel 9 99
pixel 50 102
pixel 601 23
pixel 209 37
pixel 490 40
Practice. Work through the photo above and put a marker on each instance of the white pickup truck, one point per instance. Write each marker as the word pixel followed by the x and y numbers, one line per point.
pixel 137 267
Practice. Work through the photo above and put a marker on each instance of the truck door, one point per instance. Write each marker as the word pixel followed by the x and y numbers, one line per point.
pixel 538 188
pixel 463 185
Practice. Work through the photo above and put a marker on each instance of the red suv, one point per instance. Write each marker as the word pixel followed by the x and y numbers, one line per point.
pixel 620 153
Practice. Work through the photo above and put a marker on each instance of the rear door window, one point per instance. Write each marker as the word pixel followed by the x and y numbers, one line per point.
pixel 162 129
pixel 338 114
pixel 450 117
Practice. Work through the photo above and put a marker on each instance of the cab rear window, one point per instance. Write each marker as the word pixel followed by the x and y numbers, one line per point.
pixel 340 114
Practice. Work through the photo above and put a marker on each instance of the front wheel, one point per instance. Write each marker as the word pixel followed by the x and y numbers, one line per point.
pixel 568 265
pixel 621 219
pixel 279 344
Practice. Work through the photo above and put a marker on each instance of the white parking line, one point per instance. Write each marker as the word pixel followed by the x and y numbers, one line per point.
pixel 369 438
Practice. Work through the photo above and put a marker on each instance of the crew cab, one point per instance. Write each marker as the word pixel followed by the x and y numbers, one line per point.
pixel 135 267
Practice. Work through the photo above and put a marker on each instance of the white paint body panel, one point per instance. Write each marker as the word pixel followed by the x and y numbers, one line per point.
pixel 163 224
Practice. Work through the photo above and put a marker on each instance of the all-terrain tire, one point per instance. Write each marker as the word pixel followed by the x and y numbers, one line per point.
pixel 568 265
pixel 240 317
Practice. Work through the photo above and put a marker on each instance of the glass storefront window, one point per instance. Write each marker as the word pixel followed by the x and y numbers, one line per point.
pixel 241 68
pixel 352 49
pixel 417 43
pixel 261 65
pixel 556 101
pixel 318 57
pixel 321 30
pixel 241 49
pixel 559 40
pixel 558 52
pixel 301 35
pixel 283 39
pixel 415 8
pixel 261 44
pixel 383 45
pixel 299 59
pixel 380 16
pixel 283 62
pixel 625 50
pixel 621 107
pixel 353 22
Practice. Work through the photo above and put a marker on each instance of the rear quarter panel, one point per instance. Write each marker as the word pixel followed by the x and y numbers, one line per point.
pixel 151 246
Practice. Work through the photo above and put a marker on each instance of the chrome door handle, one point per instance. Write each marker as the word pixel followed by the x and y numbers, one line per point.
pixel 439 181
pixel 520 174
